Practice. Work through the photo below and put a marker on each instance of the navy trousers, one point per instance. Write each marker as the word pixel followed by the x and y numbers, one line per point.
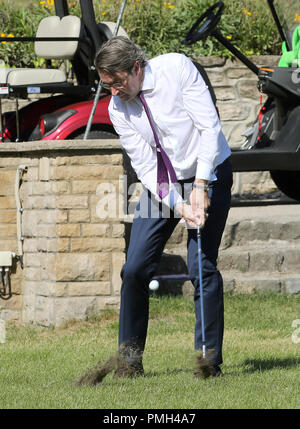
pixel 149 234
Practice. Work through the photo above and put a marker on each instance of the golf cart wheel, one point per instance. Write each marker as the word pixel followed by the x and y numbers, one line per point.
pixel 287 182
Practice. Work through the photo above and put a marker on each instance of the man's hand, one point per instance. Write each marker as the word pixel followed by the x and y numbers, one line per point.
pixel 200 203
pixel 185 210
pixel 195 214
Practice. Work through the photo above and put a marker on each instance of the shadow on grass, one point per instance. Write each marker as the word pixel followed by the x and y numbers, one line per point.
pixel 261 365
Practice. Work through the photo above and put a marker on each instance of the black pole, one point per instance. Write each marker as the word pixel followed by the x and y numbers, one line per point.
pixel 278 24
pixel 61 8
pixel 225 42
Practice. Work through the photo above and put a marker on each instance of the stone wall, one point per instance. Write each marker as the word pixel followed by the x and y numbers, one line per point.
pixel 72 257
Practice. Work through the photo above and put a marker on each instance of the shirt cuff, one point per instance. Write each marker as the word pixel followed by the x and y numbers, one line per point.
pixel 204 171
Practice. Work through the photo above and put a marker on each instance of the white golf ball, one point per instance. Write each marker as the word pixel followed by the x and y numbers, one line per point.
pixel 154 285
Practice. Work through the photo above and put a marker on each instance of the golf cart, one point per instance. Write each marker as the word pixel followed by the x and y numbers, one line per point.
pixel 65 112
pixel 273 142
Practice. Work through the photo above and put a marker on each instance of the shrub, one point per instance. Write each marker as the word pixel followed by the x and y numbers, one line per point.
pixel 157 26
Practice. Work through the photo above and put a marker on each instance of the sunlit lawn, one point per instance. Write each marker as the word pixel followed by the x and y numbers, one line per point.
pixel 261 361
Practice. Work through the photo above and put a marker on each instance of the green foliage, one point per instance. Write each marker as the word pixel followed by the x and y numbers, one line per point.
pixel 19 22
pixel 157 26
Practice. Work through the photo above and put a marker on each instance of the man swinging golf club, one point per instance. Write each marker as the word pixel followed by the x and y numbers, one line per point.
pixel 163 112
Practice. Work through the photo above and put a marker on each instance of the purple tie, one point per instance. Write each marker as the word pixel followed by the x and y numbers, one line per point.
pixel 164 165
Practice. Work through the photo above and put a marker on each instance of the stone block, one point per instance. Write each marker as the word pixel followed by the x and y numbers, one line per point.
pixel 225 93
pixel 89 288
pixel 82 267
pixel 251 284
pixel 95 230
pixel 67 230
pixel 47 245
pixel 44 217
pixel 85 186
pixel 233 111
pixel 8 216
pixel 31 175
pixel 79 215
pixel 72 201
pixel 248 89
pixel 216 76
pixel 89 172
pixel 109 302
pixel 7 202
pixel 44 310
pixel 234 259
pixel 16 284
pixel 116 159
pixel 42 188
pixel 40 202
pixel 291 259
pixel 8 245
pixel 87 244
pixel 8 231
pixel 118 230
pixel 7 182
pixel 61 289
pixel 238 73
pixel 94 159
pixel 118 260
pixel 78 308
pixel 15 302
pixel 291 284
pixel 44 169
pixel 13 161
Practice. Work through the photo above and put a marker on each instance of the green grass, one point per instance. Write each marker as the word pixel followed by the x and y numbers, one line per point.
pixel 261 362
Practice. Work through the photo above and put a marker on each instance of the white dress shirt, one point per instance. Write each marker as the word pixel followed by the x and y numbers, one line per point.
pixel 186 121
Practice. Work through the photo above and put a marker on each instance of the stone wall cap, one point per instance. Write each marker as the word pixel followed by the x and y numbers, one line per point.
pixel 60 145
pixel 259 60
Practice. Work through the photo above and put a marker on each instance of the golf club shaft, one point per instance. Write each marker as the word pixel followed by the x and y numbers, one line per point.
pixel 201 289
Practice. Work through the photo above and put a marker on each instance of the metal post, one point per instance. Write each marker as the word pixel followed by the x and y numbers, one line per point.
pixel 17 120
pixel 99 88
pixel 1 123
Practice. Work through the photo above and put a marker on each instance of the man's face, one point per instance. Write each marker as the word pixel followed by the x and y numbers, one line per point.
pixel 123 84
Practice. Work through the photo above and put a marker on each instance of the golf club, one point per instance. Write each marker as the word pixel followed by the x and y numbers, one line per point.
pixel 204 362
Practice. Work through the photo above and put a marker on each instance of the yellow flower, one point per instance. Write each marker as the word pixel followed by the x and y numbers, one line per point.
pixel 297 18
pixel 10 35
pixel 103 13
pixel 229 37
pixel 246 12
pixel 3 35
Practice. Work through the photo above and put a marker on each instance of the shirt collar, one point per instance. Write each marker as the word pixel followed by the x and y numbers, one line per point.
pixel 148 82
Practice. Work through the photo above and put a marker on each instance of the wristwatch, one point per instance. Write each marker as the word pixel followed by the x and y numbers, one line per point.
pixel 205 188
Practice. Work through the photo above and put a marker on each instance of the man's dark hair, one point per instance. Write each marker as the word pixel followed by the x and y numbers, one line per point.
pixel 119 54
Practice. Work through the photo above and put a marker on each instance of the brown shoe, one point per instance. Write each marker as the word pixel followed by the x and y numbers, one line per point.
pixel 129 369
